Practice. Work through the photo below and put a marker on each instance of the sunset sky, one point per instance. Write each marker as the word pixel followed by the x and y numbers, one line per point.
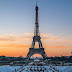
pixel 17 20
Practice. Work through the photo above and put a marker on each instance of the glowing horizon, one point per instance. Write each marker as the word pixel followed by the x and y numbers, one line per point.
pixel 18 45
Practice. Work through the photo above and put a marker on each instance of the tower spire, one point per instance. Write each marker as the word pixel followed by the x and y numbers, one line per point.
pixel 36 3
pixel 36 32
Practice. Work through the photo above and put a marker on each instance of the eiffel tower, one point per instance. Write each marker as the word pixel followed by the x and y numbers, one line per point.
pixel 36 38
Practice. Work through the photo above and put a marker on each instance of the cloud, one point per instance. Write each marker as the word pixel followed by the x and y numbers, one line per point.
pixel 6 38
pixel 15 39
pixel 27 36
pixel 50 37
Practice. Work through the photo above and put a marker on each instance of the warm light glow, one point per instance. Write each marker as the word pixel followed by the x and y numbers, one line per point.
pixel 36 55
pixel 18 45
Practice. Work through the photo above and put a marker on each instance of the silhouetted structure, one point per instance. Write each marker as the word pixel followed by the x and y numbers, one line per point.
pixel 36 38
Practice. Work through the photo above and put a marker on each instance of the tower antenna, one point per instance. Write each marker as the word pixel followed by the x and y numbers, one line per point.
pixel 36 2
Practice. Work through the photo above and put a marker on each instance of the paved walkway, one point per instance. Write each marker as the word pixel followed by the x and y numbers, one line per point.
pixel 36 69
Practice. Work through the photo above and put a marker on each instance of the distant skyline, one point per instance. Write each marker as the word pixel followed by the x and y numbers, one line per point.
pixel 17 20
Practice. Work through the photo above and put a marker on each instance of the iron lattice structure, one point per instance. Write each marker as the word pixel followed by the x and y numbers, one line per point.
pixel 36 38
